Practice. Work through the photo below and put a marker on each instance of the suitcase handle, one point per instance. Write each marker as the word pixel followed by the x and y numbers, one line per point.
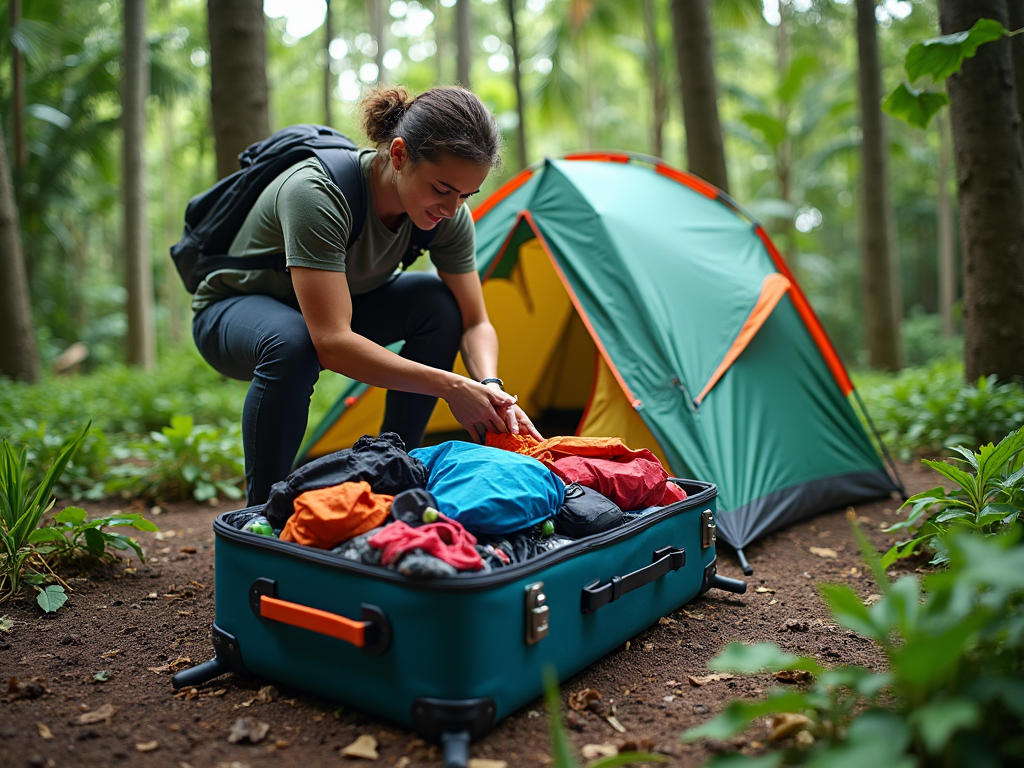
pixel 372 634
pixel 665 559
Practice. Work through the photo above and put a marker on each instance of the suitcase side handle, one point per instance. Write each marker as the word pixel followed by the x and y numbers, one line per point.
pixel 666 559
pixel 372 634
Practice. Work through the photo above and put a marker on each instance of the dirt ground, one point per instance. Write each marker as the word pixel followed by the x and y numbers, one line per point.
pixel 134 620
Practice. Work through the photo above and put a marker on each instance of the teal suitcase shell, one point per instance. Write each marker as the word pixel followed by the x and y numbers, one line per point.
pixel 451 657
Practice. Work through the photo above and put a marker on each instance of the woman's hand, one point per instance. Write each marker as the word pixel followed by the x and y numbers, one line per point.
pixel 475 404
pixel 518 422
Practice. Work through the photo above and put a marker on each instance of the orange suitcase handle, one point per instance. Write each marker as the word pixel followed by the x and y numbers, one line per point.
pixel 372 633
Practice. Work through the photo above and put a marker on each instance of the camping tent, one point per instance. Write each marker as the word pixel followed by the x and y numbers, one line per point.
pixel 647 298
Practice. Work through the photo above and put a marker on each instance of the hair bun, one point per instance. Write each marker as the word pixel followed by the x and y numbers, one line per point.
pixel 383 109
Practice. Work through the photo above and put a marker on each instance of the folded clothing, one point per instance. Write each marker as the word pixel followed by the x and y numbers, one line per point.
pixel 586 512
pixel 638 481
pixel 380 461
pixel 445 540
pixel 326 517
pixel 490 491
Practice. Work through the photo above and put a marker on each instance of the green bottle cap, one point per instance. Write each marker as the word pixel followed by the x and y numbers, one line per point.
pixel 547 527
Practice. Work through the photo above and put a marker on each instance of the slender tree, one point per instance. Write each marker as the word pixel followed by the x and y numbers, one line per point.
pixel 376 12
pixel 990 184
pixel 463 35
pixel 1016 9
pixel 138 269
pixel 880 323
pixel 19 146
pixel 947 253
pixel 328 75
pixel 658 101
pixel 238 78
pixel 705 151
pixel 517 80
pixel 18 356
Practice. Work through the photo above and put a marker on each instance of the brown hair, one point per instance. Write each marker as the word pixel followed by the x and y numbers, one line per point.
pixel 442 120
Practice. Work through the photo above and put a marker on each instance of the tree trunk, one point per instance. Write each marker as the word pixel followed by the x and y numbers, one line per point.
pixel 463 22
pixel 657 82
pixel 947 254
pixel 328 75
pixel 705 151
pixel 878 304
pixel 990 183
pixel 439 40
pixel 517 79
pixel 376 13
pixel 1016 9
pixel 172 292
pixel 18 356
pixel 19 147
pixel 138 269
pixel 238 78
pixel 784 155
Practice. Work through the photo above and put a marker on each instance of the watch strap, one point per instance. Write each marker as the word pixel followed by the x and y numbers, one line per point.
pixel 494 380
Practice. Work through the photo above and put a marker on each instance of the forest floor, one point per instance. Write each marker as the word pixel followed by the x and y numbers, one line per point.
pixel 138 621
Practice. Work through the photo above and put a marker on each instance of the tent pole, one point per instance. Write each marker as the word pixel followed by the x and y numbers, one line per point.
pixel 747 569
pixel 885 450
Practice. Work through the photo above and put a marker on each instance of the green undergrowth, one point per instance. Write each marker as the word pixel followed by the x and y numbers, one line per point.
pixel 923 410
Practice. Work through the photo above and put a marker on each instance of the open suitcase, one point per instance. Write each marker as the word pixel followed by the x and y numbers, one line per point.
pixel 451 657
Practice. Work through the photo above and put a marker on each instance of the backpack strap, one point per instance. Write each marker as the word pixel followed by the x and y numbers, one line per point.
pixel 419 242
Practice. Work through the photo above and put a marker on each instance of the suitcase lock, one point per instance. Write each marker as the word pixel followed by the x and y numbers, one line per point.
pixel 536 613
pixel 708 529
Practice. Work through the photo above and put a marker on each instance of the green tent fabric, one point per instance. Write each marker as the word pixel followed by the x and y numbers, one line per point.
pixel 667 276
pixel 710 338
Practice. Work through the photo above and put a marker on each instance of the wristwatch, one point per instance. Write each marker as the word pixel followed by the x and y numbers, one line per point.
pixel 495 380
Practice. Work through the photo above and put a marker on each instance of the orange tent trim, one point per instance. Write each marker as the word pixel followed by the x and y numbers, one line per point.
pixel 773 289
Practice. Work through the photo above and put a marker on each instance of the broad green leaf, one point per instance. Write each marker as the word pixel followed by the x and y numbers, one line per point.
pixel 953 514
pixel 190 472
pixel 46 534
pixel 799 69
pixel 951 473
pixel 902 549
pixel 993 513
pixel 925 657
pixel 94 542
pixel 870 555
pixel 912 106
pixel 938 721
pixel 849 611
pixel 771 760
pixel 51 598
pixel 747 659
pixel 738 714
pixel 627 758
pixel 73 515
pixel 874 739
pixel 774 130
pixel 941 57
pixel 102 676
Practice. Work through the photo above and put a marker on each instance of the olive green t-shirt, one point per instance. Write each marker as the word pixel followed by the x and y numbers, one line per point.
pixel 304 215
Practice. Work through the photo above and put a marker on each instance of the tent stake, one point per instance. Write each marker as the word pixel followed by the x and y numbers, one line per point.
pixel 747 569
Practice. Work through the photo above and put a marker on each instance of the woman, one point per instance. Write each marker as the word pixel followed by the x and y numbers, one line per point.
pixel 338 308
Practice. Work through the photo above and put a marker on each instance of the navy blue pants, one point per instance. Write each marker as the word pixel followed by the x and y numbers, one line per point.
pixel 260 338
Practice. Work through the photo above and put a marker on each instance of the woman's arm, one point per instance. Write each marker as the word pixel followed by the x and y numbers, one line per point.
pixel 326 306
pixel 480 343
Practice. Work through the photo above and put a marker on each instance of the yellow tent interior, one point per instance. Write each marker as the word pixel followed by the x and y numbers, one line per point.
pixel 547 358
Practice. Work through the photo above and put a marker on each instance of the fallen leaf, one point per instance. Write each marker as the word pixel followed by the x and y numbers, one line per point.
pixel 147 746
pixel 172 666
pixel 591 751
pixel 627 646
pixel 773 601
pixel 669 699
pixel 102 676
pixel 6 624
pixel 101 715
pixel 694 616
pixel 44 731
pixel 110 654
pixel 696 682
pixel 665 621
pixel 365 747
pixel 872 599
pixel 824 552
pixel 248 729
pixel 670 683
pixel 804 738
pixel 267 694
pixel 793 676
pixel 786 724
pixel 151 596
pixel 30 689
pixel 614 723
pixel 763 590
pixel 580 699
pixel 648 646
pixel 483 762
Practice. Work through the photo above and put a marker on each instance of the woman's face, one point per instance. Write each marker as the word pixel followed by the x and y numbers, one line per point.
pixel 432 191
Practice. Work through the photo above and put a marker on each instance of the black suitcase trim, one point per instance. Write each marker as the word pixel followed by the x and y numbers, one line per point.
pixel 466 582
